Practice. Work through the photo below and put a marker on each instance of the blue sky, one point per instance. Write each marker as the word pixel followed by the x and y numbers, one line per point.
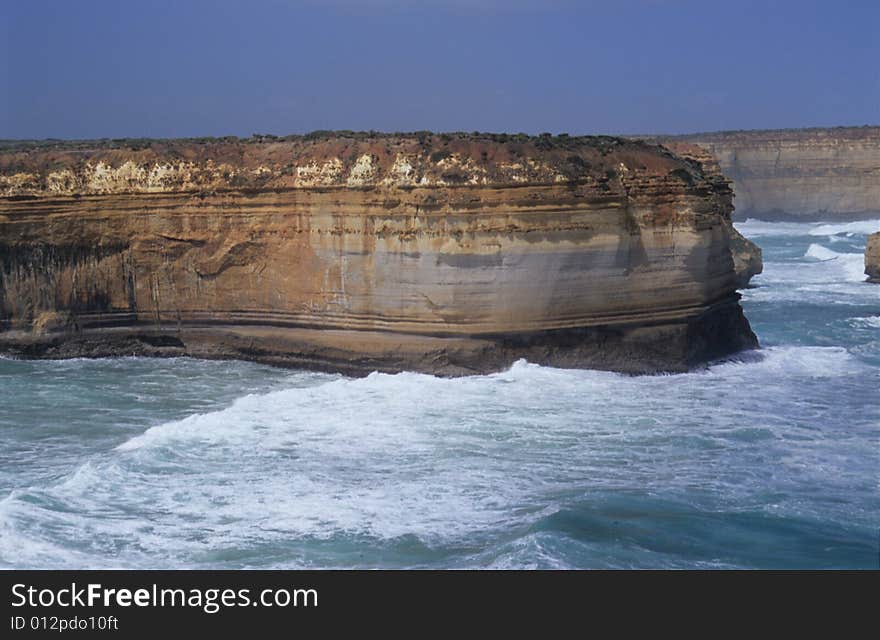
pixel 165 68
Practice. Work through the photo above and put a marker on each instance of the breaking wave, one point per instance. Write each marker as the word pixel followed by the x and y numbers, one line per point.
pixel 850 265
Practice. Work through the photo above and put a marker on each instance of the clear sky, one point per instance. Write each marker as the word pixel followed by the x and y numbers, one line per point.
pixel 179 68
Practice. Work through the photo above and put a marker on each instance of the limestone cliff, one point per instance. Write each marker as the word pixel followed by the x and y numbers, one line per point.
pixel 872 258
pixel 800 174
pixel 747 256
pixel 449 254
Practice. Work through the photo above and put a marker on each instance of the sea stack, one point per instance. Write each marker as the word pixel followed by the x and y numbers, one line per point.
pixel 449 254
pixel 872 258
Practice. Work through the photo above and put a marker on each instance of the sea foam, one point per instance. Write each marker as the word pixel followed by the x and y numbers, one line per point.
pixel 850 265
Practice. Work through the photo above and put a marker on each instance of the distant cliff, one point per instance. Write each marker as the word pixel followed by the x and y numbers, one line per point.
pixel 800 174
pixel 449 254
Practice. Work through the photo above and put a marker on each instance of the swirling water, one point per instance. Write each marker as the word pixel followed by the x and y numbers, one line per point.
pixel 771 459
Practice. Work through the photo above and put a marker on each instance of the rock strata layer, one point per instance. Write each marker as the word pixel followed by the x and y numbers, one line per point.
pixel 448 254
pixel 872 258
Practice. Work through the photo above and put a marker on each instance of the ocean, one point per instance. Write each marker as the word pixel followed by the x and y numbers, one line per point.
pixel 770 459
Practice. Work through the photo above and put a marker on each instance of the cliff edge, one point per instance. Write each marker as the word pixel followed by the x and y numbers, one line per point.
pixel 449 254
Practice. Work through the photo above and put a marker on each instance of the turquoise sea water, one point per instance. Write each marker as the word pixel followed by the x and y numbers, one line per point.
pixel 768 460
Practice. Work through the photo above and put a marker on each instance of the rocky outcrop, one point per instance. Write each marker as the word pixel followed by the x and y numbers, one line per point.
pixel 872 258
pixel 747 256
pixel 800 174
pixel 449 254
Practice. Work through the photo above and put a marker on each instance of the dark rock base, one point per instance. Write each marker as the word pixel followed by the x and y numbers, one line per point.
pixel 720 331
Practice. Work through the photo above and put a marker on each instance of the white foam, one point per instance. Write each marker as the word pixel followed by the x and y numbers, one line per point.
pixel 860 227
pixel 752 228
pixel 23 539
pixel 797 362
pixel 821 253
pixel 851 266
pixel 375 459
pixel 869 322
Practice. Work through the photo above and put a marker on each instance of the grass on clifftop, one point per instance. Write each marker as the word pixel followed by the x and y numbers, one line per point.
pixel 541 141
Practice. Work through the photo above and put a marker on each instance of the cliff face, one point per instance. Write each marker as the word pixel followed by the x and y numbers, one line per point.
pixel 747 256
pixel 446 254
pixel 806 174
pixel 872 258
